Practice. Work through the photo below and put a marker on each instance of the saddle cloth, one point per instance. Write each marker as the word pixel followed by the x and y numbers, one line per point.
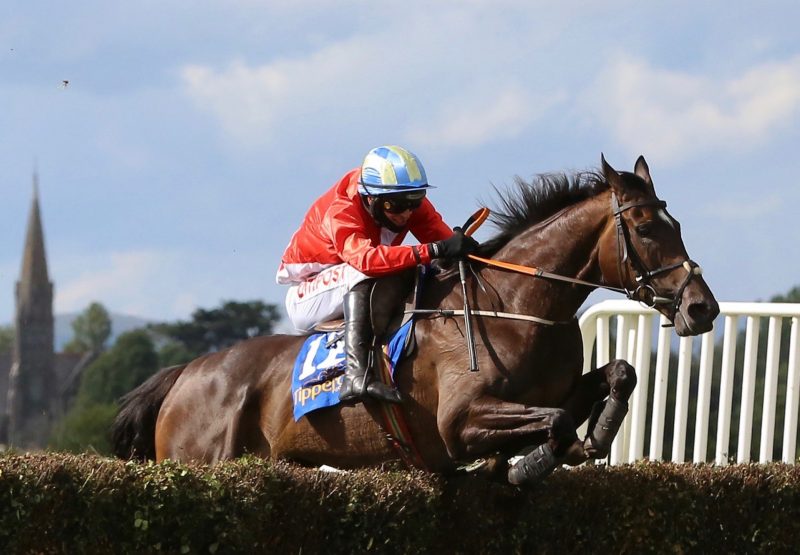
pixel 319 368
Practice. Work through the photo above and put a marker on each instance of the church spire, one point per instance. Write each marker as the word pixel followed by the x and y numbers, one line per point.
pixel 33 274
pixel 31 380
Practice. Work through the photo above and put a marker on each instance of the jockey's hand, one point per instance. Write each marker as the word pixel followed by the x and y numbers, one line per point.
pixel 456 246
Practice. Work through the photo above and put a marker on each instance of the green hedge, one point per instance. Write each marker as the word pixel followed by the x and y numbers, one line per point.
pixel 60 503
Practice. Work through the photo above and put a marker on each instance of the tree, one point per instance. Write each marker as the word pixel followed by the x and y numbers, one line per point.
pixel 127 364
pixel 6 339
pixel 91 329
pixel 216 329
pixel 793 296
pixel 85 428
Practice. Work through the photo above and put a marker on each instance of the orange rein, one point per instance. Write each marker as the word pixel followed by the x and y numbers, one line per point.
pixel 477 219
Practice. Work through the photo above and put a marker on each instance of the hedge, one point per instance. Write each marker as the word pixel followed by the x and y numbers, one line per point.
pixel 58 503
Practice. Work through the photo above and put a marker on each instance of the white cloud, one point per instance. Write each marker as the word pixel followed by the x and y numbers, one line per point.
pixel 123 280
pixel 158 284
pixel 465 122
pixel 748 207
pixel 251 102
pixel 401 76
pixel 679 114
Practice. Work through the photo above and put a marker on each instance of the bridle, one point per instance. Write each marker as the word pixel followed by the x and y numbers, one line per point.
pixel 644 291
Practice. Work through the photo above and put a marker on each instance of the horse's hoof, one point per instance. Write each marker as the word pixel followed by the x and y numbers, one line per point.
pixel 594 451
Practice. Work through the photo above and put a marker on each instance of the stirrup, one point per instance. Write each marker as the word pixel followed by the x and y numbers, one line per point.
pixel 359 392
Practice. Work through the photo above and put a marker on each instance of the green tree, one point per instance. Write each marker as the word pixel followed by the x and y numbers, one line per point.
pixel 85 428
pixel 216 329
pixel 127 364
pixel 793 296
pixel 91 329
pixel 6 339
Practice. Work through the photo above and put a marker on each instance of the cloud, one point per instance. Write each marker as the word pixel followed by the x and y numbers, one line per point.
pixel 403 76
pixel 160 284
pixel 677 115
pixel 465 122
pixel 124 280
pixel 748 207
pixel 252 102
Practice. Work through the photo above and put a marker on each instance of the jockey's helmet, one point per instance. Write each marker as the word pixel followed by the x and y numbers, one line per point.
pixel 390 170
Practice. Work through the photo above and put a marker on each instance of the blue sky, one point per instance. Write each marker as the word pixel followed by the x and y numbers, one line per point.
pixel 192 136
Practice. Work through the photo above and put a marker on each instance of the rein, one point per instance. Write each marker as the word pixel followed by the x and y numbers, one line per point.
pixel 538 272
pixel 644 291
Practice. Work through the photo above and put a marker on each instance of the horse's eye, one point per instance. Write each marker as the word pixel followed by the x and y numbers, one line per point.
pixel 643 229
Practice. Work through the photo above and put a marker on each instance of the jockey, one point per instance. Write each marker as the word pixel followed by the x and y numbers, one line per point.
pixel 350 242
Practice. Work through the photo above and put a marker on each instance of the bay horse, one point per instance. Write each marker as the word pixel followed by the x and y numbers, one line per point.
pixel 587 229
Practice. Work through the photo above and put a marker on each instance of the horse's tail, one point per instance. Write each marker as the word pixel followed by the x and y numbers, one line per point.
pixel 133 433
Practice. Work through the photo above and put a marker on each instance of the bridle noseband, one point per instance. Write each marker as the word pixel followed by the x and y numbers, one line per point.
pixel 645 292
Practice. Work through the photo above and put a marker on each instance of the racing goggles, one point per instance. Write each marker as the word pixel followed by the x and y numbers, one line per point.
pixel 398 203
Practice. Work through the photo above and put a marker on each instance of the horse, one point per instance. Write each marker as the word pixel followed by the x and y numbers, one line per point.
pixel 560 236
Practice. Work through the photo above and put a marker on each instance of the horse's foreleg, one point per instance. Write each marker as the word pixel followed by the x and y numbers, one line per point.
pixel 602 396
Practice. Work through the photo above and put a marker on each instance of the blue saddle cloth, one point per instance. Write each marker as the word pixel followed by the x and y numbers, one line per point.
pixel 319 367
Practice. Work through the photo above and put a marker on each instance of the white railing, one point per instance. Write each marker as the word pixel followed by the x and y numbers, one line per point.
pixel 634 335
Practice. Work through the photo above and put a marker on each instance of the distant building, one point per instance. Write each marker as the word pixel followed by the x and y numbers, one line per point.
pixel 36 384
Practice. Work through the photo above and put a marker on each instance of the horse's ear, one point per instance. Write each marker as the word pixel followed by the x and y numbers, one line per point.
pixel 642 170
pixel 611 175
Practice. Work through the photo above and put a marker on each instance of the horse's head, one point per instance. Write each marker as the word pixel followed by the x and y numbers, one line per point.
pixel 643 252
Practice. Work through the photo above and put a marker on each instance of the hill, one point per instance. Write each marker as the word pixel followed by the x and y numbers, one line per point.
pixel 120 323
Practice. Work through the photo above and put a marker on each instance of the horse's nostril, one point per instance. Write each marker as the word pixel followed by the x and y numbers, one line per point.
pixel 703 311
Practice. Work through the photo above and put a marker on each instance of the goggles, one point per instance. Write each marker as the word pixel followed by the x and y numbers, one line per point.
pixel 399 203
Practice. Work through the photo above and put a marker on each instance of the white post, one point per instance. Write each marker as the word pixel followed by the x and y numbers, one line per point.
pixel 792 393
pixel 748 390
pixel 703 397
pixel 618 448
pixel 770 390
pixel 660 391
pixel 726 390
pixel 602 341
pixel 682 400
pixel 638 416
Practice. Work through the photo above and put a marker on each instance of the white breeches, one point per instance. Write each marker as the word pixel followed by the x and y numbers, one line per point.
pixel 320 298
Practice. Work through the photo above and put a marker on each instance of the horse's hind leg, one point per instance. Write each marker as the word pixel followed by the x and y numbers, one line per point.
pixel 602 396
pixel 493 424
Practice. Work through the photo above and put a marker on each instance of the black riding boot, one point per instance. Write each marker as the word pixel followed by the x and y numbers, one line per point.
pixel 359 381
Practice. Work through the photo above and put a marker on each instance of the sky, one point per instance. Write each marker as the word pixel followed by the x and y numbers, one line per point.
pixel 179 143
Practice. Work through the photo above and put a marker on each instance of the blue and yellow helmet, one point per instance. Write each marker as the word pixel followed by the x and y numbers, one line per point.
pixel 391 169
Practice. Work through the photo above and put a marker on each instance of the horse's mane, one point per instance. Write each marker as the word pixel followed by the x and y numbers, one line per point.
pixel 528 203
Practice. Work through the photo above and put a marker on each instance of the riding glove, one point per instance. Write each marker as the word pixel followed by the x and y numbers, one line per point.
pixel 456 246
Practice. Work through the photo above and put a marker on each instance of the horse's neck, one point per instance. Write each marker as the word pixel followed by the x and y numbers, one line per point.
pixel 566 245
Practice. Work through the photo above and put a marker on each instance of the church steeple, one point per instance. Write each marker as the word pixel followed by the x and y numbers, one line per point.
pixel 31 379
pixel 33 275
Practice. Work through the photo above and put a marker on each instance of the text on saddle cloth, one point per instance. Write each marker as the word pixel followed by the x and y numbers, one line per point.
pixel 319 368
